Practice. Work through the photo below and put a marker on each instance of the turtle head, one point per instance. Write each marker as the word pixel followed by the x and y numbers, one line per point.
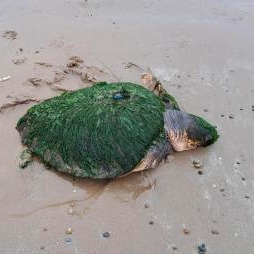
pixel 187 131
pixel 204 132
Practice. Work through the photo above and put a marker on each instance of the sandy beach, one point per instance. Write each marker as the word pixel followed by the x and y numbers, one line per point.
pixel 202 51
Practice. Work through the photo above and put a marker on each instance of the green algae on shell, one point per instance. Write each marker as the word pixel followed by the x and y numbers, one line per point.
pixel 100 132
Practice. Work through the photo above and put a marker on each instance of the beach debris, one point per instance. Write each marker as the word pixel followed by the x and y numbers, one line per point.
pixel 201 248
pixel 19 60
pixel 5 78
pixel 72 64
pixel 10 35
pixel 36 81
pixel 197 164
pixel 130 65
pixel 76 59
pixel 44 64
pixel 16 102
pixel 69 231
pixel 106 234
pixel 58 77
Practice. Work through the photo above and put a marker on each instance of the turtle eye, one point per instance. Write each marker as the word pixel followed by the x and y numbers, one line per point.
pixel 208 140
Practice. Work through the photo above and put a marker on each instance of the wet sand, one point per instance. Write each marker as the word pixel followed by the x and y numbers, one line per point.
pixel 203 53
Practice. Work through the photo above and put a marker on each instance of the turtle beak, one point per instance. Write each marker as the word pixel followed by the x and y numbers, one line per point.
pixel 187 131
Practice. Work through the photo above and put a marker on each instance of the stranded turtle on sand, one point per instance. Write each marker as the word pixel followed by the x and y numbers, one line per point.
pixel 108 130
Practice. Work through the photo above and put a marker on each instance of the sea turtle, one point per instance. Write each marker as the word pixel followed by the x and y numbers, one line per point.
pixel 111 129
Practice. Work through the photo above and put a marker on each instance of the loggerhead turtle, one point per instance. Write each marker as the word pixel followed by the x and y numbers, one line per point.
pixel 110 129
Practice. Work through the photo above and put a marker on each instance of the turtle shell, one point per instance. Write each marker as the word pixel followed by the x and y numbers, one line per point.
pixel 99 132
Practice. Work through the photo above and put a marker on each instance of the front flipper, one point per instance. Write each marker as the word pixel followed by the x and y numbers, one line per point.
pixel 155 155
pixel 187 131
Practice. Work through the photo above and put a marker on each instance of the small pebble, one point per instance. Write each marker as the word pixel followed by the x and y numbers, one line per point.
pixel 151 222
pixel 179 86
pixel 106 234
pixel 69 231
pixel 241 109
pixel 37 52
pixel 201 248
pixel 197 164
pixel 42 247
pixel 243 178
pixel 222 189
pixel 231 117
pixel 200 172
pixel 247 196
pixel 146 206
pixel 70 211
pixel 174 247
pixel 74 190
pixel 186 231
pixel 222 115
pixel 72 204
pixel 215 232
pixel 206 110
pixel 21 49
pixel 45 229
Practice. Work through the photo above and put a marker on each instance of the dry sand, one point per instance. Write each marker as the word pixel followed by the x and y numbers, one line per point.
pixel 203 52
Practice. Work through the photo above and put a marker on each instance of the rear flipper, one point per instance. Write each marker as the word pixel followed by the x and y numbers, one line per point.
pixel 186 131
